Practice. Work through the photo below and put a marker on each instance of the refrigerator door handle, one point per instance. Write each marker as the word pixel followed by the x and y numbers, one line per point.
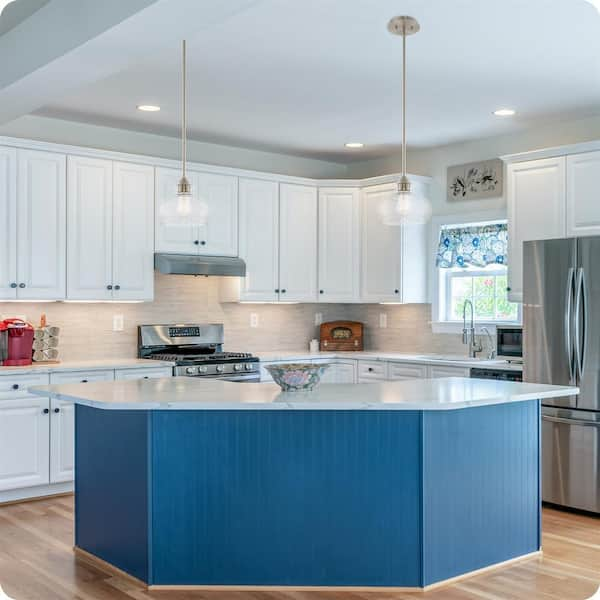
pixel 568 323
pixel 581 321
pixel 571 421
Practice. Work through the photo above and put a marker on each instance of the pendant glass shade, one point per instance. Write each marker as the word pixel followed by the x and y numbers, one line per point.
pixel 406 208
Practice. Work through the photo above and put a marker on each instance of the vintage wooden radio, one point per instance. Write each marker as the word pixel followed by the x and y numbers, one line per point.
pixel 341 335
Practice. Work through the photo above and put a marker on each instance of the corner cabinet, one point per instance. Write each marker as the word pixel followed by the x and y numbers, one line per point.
pixel 33 222
pixel 339 245
pixel 110 236
pixel 180 234
pixel 297 243
pixel 394 259
pixel 536 202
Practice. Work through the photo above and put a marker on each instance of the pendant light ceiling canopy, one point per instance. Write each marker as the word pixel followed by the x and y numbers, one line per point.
pixel 406 207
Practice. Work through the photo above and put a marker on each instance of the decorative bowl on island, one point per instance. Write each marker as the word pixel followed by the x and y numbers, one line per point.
pixel 297 377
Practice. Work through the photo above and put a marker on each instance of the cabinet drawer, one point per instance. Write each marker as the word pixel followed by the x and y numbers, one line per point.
pixel 82 376
pixel 154 373
pixel 438 372
pixel 400 371
pixel 16 386
pixel 372 371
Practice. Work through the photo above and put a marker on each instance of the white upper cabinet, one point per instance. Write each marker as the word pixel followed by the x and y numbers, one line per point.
pixel 89 262
pixel 259 239
pixel 8 223
pixel 110 240
pixel 339 245
pixel 178 234
pixel 536 202
pixel 381 249
pixel 583 199
pixel 41 225
pixel 133 227
pixel 297 243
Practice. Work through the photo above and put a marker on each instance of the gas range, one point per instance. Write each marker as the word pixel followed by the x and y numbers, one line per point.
pixel 197 351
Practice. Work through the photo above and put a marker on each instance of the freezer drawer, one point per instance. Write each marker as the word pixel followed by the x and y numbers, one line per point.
pixel 570 455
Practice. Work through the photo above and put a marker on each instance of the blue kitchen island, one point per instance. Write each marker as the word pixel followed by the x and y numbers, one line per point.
pixel 404 485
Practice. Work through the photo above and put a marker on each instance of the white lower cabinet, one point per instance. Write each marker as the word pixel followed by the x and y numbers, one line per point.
pixel 372 371
pixel 143 373
pixel 62 441
pixel 339 371
pixel 402 371
pixel 436 372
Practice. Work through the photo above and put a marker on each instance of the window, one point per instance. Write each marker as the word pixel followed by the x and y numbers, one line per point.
pixel 485 288
pixel 471 264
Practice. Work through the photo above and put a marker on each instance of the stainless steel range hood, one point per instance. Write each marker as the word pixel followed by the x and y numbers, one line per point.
pixel 189 264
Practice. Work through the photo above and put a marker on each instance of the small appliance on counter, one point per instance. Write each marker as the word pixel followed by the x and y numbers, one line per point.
pixel 197 351
pixel 18 343
pixel 45 343
pixel 344 336
pixel 509 344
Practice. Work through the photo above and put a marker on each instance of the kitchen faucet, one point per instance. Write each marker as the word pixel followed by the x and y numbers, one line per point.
pixel 492 352
pixel 469 334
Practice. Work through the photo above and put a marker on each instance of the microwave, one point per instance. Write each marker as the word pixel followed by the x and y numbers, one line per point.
pixel 509 343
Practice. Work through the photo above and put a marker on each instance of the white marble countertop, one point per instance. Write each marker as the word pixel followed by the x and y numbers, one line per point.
pixel 423 359
pixel 86 365
pixel 198 394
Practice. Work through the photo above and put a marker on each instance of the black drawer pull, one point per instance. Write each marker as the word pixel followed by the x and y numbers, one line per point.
pixel 197 242
pixel 117 287
pixel 22 285
pixel 57 410
pixel 84 381
pixel 370 369
pixel 15 386
pixel 109 287
pixel 46 411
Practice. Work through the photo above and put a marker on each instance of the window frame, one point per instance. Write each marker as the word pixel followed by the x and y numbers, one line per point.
pixel 439 324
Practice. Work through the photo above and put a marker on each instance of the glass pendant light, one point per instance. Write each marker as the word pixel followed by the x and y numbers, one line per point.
pixel 405 207
pixel 198 211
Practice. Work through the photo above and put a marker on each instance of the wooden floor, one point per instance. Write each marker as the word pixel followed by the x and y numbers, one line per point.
pixel 37 563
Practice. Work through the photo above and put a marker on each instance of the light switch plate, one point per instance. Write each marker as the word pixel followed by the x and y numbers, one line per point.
pixel 118 323
pixel 318 318
pixel 253 319
pixel 382 320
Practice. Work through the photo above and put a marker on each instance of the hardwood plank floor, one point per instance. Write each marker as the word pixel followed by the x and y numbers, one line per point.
pixel 37 563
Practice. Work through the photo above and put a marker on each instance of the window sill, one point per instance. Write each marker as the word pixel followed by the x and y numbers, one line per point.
pixel 457 327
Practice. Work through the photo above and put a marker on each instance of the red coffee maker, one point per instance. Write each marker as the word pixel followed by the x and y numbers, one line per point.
pixel 19 346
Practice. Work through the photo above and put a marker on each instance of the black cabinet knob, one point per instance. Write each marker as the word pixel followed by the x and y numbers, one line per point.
pixel 15 386
pixel 57 410
pixel 197 242
pixel 117 287
pixel 46 411
pixel 203 243
pixel 370 369
pixel 396 291
pixel 84 381
pixel 283 291
pixel 109 287
pixel 146 377
pixel 321 292
pixel 13 285
pixel 22 285
pixel 277 290
pixel 508 289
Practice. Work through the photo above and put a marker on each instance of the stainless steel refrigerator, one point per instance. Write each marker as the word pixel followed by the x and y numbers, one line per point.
pixel 561 336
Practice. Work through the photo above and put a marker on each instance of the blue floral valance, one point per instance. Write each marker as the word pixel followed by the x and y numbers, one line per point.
pixel 478 246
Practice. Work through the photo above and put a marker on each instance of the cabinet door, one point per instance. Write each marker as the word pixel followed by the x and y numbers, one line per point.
pixel 583 200
pixel 536 199
pixel 89 227
pixel 144 373
pixel 339 247
pixel 174 233
pixel 381 249
pixel 403 371
pixel 436 372
pixel 345 372
pixel 219 237
pixel 297 243
pixel 259 239
pixel 62 441
pixel 8 223
pixel 24 442
pixel 41 225
pixel 82 376
pixel 133 232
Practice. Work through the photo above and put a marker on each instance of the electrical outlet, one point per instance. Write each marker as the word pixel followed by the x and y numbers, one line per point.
pixel 253 319
pixel 318 319
pixel 118 323
pixel 382 320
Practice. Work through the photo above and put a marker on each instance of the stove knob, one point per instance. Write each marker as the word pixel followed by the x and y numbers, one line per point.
pixel 248 367
pixel 202 369
pixel 237 367
pixel 190 370
pixel 219 369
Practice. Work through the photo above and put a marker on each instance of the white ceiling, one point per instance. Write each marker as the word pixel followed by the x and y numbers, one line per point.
pixel 306 76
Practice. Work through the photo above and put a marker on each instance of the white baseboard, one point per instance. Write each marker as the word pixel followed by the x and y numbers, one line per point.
pixel 38 491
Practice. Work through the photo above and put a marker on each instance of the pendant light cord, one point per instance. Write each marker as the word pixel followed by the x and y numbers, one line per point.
pixel 184 111
pixel 404 100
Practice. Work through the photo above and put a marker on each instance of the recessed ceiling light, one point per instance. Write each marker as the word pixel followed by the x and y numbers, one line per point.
pixel 354 145
pixel 595 3
pixel 505 112
pixel 148 107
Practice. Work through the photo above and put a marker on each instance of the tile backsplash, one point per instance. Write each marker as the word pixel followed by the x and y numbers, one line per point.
pixel 87 329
